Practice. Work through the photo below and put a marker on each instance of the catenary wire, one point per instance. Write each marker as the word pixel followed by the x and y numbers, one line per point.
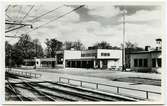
pixel 56 18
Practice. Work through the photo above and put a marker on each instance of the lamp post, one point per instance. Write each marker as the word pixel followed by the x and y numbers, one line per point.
pixel 123 46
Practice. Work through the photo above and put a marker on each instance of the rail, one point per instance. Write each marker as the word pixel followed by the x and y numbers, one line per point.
pixel 117 87
pixel 26 74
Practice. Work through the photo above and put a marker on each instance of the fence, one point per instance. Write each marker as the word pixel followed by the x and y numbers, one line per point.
pixel 21 73
pixel 118 88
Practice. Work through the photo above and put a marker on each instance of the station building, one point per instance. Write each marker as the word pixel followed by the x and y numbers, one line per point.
pixel 148 60
pixel 97 58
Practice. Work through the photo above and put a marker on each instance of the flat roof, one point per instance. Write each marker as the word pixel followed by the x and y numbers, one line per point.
pixel 145 52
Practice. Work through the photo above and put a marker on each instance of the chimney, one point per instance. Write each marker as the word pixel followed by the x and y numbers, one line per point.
pixel 147 48
pixel 158 44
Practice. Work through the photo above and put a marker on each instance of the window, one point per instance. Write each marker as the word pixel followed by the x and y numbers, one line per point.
pixel 37 62
pixel 140 63
pixel 153 62
pixel 145 63
pixel 159 62
pixel 105 54
pixel 135 62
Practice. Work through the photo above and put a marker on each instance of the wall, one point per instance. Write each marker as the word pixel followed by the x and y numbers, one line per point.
pixel 89 54
pixel 113 54
pixel 148 56
pixel 157 55
pixel 71 54
pixel 37 63
pixel 114 58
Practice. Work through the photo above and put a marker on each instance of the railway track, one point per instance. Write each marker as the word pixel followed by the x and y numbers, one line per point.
pixel 12 91
pixel 54 91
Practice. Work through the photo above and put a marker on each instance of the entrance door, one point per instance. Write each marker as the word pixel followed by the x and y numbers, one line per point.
pixel 104 64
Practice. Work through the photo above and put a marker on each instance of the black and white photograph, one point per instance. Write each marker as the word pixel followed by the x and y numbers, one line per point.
pixel 84 52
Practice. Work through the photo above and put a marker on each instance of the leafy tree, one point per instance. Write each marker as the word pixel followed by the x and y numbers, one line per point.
pixel 8 49
pixel 25 48
pixel 25 45
pixel 53 45
pixel 38 50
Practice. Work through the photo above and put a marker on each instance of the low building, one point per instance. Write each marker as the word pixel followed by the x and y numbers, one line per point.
pixel 98 58
pixel 148 60
pixel 40 62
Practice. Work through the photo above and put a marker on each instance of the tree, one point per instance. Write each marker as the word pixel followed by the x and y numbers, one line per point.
pixel 68 45
pixel 8 49
pixel 76 45
pixel 103 45
pixel 53 45
pixel 25 44
pixel 130 48
pixel 38 50
pixel 25 48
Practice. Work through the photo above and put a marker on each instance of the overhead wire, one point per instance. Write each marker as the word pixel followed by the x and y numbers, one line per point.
pixel 40 15
pixel 19 12
pixel 25 16
pixel 7 8
pixel 27 13
pixel 46 13
pixel 17 17
pixel 57 18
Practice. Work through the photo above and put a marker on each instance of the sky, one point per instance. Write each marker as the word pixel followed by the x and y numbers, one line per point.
pixel 90 24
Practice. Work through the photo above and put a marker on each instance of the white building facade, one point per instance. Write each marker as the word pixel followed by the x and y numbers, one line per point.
pixel 98 58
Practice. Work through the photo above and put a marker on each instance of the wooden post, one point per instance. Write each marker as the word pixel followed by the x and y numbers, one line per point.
pixel 81 83
pixel 96 85
pixel 117 89
pixel 59 79
pixel 146 94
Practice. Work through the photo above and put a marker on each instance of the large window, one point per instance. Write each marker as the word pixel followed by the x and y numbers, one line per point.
pixel 140 62
pixel 135 62
pixel 159 62
pixel 145 63
pixel 154 62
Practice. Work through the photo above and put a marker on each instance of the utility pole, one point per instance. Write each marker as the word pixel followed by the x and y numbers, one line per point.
pixel 10 60
pixel 123 46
